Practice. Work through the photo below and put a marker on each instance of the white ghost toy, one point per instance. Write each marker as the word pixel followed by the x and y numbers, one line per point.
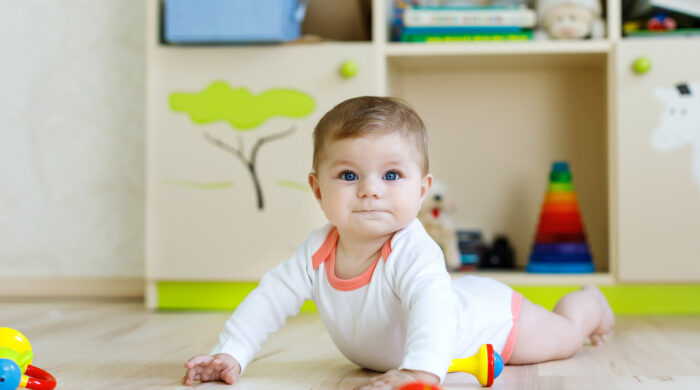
pixel 679 124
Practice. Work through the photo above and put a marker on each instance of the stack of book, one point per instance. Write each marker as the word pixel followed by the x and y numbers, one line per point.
pixel 463 24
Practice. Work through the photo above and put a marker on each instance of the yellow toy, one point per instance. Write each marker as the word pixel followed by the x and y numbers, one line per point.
pixel 15 358
pixel 486 365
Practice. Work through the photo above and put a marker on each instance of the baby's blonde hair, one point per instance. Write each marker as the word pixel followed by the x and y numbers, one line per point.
pixel 364 115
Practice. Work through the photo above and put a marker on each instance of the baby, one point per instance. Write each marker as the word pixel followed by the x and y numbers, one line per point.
pixel 379 281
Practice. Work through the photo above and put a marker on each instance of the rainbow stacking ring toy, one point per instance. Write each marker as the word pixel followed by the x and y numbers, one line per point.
pixel 560 242
pixel 15 370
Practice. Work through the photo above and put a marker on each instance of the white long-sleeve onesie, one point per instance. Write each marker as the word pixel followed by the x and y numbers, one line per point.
pixel 402 312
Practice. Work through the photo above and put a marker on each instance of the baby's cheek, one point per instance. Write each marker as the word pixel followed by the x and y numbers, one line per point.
pixel 409 210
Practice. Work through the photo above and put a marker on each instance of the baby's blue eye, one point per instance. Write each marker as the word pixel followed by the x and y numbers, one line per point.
pixel 349 176
pixel 391 176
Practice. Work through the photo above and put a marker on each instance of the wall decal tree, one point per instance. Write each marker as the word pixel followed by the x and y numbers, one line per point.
pixel 244 112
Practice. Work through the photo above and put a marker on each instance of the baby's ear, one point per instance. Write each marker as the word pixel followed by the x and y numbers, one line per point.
pixel 426 183
pixel 315 188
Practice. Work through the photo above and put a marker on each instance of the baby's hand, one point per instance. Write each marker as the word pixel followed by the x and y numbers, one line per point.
pixel 205 368
pixel 394 379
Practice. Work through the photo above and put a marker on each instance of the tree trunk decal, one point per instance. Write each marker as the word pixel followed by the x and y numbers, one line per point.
pixel 243 112
pixel 249 162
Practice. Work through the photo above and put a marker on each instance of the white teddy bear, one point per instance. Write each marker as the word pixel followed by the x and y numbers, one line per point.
pixel 435 216
pixel 571 19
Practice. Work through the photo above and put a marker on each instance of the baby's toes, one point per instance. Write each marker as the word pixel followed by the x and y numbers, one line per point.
pixel 598 339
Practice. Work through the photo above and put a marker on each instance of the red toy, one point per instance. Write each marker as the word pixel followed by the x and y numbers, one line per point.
pixel 420 386
pixel 661 22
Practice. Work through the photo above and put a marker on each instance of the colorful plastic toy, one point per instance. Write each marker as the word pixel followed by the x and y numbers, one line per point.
pixel 661 22
pixel 15 368
pixel 420 386
pixel 560 243
pixel 486 365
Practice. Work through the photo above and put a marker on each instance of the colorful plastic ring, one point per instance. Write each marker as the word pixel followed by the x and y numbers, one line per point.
pixel 39 379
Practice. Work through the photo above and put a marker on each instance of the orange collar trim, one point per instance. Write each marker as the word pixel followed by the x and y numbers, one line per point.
pixel 326 254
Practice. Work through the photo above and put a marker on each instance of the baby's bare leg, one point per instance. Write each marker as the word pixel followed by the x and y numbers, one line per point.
pixel 549 335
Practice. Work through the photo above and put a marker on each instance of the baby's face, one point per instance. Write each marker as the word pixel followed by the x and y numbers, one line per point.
pixel 370 186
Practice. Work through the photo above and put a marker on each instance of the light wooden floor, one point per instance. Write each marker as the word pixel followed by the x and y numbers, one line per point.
pixel 120 345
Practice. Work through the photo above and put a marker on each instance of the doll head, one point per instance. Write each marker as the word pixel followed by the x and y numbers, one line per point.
pixel 568 19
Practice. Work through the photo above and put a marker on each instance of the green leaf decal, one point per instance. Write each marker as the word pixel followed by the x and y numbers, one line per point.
pixel 241 109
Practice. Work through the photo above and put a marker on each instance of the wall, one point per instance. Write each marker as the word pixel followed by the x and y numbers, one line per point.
pixel 72 139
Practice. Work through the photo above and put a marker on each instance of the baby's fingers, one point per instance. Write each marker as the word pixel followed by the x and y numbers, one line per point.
pixel 195 366
pixel 202 372
pixel 196 360
pixel 218 364
pixel 229 376
pixel 190 376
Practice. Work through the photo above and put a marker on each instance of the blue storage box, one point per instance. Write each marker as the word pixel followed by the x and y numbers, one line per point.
pixel 232 21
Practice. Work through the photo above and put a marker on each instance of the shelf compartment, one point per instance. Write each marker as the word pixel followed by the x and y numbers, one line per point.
pixel 499 126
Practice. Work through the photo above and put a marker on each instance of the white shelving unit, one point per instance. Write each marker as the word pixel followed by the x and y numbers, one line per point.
pixel 498 114
pixel 585 87
pixel 543 96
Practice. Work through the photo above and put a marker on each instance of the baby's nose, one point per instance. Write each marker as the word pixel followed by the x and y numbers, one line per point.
pixel 369 187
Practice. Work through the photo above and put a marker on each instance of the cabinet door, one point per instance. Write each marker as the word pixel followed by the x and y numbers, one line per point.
pixel 229 151
pixel 658 161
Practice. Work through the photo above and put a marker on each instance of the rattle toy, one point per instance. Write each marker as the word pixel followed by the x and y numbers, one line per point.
pixel 486 365
pixel 15 358
pixel 419 386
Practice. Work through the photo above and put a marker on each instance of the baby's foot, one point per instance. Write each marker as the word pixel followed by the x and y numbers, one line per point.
pixel 607 317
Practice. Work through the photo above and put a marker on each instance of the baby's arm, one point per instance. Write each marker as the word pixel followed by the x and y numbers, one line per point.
pixel 425 289
pixel 205 368
pixel 280 294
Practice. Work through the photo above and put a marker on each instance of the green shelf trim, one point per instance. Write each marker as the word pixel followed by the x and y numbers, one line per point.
pixel 638 299
pixel 208 295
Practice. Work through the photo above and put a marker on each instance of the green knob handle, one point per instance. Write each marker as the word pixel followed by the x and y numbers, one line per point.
pixel 348 69
pixel 641 65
